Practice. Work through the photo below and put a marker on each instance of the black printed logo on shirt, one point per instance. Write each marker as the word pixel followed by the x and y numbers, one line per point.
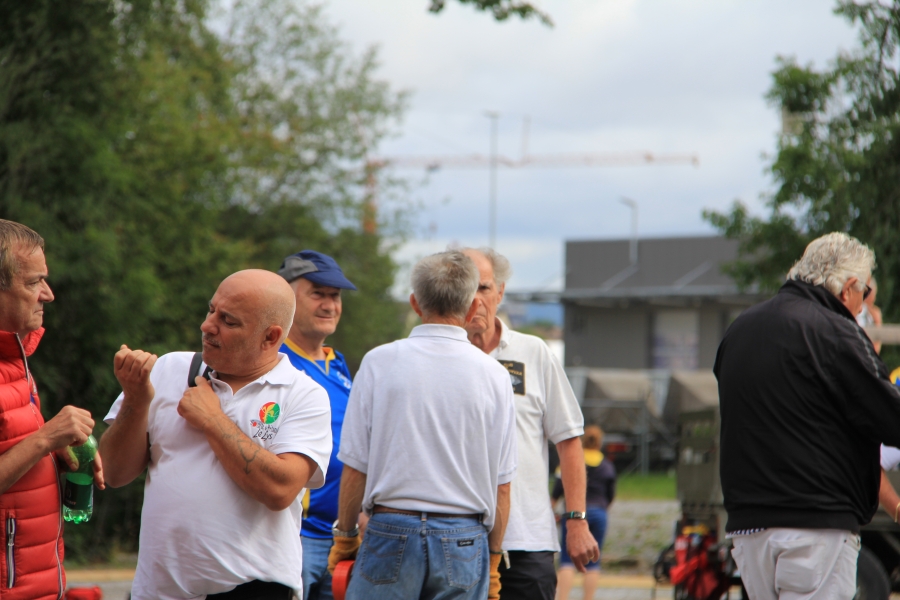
pixel 465 543
pixel 516 375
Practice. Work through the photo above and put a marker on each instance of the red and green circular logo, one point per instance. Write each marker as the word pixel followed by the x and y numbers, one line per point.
pixel 269 413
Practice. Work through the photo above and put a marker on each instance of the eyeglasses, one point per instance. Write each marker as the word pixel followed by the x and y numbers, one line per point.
pixel 867 292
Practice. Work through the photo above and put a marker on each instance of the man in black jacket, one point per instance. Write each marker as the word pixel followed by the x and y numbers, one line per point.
pixel 805 402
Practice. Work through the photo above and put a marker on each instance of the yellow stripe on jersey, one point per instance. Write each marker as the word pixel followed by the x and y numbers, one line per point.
pixel 895 374
pixel 305 503
pixel 329 353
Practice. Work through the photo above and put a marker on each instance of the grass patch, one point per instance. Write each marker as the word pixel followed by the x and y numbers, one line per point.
pixel 654 486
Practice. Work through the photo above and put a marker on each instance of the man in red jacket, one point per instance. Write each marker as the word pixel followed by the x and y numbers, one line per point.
pixel 31 568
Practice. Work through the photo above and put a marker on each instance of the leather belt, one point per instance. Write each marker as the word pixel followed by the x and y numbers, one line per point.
pixel 422 513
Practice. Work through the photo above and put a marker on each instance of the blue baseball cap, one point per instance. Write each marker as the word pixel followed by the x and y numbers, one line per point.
pixel 315 266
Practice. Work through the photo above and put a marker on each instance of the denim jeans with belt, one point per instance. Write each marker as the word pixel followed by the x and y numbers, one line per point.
pixel 404 557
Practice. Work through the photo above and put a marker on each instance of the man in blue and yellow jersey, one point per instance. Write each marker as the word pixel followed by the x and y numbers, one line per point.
pixel 317 281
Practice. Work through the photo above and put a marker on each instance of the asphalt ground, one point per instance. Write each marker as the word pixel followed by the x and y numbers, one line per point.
pixel 116 585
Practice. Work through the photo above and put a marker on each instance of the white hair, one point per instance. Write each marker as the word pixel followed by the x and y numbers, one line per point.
pixel 445 284
pixel 499 263
pixel 832 260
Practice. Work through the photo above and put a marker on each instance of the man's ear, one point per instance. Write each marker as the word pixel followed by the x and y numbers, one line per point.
pixel 272 337
pixel 415 305
pixel 848 285
pixel 476 303
pixel 502 290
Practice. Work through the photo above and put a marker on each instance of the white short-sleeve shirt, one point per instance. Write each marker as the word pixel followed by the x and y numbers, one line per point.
pixel 431 422
pixel 546 409
pixel 200 533
pixel 890 457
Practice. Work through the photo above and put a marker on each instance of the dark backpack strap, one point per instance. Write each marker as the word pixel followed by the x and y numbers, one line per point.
pixel 196 361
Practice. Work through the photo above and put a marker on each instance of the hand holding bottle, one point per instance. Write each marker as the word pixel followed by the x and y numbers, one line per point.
pixel 78 493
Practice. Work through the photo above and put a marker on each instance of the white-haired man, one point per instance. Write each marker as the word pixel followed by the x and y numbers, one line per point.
pixel 227 457
pixel 429 450
pixel 546 409
pixel 805 402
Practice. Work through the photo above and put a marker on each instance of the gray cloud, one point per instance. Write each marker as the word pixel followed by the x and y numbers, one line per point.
pixel 613 75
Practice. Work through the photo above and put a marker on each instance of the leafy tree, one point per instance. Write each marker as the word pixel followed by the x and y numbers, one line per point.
pixel 501 9
pixel 838 160
pixel 156 157
pixel 314 112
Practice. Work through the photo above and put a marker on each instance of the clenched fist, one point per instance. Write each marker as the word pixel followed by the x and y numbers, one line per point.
pixel 132 368
pixel 70 427
pixel 199 404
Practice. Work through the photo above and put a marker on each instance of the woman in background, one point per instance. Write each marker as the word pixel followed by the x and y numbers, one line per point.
pixel 601 489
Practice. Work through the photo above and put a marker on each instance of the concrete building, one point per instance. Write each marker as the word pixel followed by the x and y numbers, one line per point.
pixel 650 303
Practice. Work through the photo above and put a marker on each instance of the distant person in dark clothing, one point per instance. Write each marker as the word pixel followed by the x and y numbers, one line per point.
pixel 805 404
pixel 601 489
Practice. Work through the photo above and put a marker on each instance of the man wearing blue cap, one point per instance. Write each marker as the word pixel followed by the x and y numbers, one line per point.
pixel 317 281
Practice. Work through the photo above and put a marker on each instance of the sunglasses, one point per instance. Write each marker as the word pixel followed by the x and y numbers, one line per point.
pixel 867 292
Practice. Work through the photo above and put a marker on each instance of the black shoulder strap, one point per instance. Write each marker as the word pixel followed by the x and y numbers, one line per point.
pixel 196 361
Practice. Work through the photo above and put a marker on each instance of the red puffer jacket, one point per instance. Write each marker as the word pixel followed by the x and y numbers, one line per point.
pixel 32 552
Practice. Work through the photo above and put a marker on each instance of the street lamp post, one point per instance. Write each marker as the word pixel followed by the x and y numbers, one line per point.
pixel 492 208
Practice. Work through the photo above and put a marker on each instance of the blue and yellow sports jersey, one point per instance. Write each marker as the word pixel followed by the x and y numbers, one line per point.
pixel 333 375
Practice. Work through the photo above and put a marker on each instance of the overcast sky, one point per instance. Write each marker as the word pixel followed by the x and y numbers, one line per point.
pixel 664 76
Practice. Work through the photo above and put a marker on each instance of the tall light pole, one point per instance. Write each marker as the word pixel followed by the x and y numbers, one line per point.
pixel 492 209
pixel 633 246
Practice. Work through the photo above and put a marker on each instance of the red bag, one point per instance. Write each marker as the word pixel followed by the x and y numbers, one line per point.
pixel 94 593
pixel 341 578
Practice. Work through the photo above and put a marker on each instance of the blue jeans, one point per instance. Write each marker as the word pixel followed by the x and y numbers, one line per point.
pixel 404 557
pixel 316 579
pixel 596 518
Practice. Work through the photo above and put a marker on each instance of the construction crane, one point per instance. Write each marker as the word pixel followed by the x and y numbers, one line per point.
pixel 474 161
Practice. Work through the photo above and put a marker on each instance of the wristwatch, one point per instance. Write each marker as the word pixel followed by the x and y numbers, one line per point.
pixel 576 515
pixel 335 532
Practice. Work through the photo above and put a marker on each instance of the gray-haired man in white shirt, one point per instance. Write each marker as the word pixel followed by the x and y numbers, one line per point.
pixel 429 449
pixel 546 410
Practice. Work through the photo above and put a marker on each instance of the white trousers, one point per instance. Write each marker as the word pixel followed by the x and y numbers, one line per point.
pixel 798 564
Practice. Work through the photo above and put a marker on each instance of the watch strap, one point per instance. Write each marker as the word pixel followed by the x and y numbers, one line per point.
pixel 576 515
pixel 335 532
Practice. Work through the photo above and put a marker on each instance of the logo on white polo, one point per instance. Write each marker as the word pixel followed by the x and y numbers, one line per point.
pixel 268 415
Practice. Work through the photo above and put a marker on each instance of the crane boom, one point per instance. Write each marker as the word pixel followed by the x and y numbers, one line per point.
pixel 477 161
pixel 474 161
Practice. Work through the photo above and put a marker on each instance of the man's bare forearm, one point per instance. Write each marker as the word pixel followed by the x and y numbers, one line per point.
pixel 501 518
pixel 887 497
pixel 125 445
pixel 19 459
pixel 574 475
pixel 580 544
pixel 275 480
pixel 353 488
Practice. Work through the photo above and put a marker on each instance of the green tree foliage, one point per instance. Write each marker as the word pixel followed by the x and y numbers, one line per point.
pixel 838 159
pixel 500 9
pixel 317 112
pixel 156 156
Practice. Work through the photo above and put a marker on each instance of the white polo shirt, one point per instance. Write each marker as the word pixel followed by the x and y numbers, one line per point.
pixel 200 533
pixel 546 409
pixel 890 457
pixel 431 423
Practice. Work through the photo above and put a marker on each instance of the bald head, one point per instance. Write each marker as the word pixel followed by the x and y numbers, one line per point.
pixel 267 295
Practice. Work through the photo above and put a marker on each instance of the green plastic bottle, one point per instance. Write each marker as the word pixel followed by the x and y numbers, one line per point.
pixel 78 494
